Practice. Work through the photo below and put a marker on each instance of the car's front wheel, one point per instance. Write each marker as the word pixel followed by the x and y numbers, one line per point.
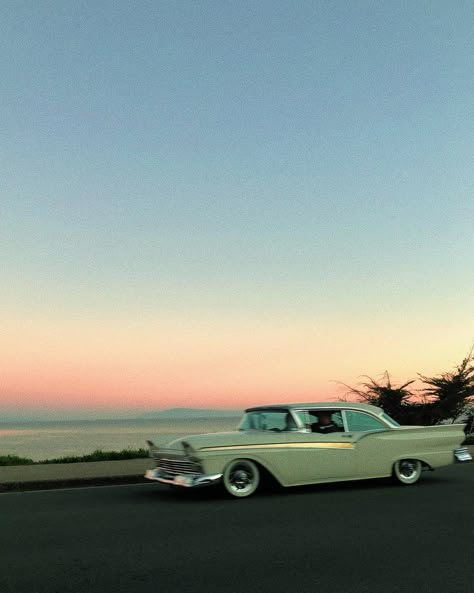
pixel 407 471
pixel 241 478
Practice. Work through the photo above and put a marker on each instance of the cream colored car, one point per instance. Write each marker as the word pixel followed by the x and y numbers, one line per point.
pixel 308 443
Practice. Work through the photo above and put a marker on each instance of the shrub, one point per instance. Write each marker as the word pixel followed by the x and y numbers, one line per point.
pixel 99 455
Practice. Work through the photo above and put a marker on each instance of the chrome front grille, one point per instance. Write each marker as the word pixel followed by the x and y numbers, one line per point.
pixel 174 467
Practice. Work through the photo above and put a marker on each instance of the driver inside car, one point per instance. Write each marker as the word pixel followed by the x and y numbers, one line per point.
pixel 325 425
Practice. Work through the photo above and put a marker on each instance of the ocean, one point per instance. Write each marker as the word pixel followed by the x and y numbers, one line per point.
pixel 50 439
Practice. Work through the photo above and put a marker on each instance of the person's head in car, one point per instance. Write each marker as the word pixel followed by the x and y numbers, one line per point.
pixel 324 418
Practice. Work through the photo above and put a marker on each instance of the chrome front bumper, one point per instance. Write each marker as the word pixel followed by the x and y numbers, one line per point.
pixel 185 481
pixel 461 455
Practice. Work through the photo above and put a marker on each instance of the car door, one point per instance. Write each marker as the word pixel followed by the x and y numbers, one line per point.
pixel 315 457
pixel 367 434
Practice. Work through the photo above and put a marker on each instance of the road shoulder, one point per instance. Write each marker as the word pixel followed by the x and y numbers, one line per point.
pixel 59 475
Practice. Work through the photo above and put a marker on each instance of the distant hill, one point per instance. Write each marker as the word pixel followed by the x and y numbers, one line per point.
pixel 184 413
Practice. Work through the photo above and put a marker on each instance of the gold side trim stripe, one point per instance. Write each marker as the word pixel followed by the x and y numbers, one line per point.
pixel 283 445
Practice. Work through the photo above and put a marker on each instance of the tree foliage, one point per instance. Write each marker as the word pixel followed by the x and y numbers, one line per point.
pixel 394 400
pixel 443 397
pixel 450 393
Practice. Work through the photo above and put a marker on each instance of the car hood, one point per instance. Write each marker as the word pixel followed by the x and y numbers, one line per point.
pixel 222 439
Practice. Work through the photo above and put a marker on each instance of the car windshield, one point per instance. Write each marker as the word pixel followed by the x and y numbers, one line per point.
pixel 276 420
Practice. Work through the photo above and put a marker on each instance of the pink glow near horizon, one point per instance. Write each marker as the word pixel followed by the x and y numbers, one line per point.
pixel 74 365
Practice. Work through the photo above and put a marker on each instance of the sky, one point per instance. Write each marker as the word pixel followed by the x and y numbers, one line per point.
pixel 223 204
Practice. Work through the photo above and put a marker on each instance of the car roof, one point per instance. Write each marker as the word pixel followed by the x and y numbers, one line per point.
pixel 319 406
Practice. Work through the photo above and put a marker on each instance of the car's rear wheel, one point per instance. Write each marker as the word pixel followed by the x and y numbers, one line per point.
pixel 407 471
pixel 241 478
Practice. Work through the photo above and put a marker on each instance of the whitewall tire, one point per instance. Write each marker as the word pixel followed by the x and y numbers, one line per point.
pixel 407 471
pixel 241 478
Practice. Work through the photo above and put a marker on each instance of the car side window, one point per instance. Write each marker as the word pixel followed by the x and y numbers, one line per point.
pixel 337 419
pixel 276 420
pixel 360 421
pixel 324 421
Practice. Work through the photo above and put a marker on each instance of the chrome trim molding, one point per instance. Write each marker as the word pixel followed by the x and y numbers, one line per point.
pixel 328 445
pixel 461 455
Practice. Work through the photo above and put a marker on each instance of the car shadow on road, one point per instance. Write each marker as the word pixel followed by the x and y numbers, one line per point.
pixel 217 493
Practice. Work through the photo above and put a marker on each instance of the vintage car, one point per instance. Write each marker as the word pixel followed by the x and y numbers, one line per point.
pixel 308 443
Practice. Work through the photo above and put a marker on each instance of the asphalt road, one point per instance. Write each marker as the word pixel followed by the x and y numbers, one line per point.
pixel 362 537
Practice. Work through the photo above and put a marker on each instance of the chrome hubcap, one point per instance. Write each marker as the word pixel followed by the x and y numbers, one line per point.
pixel 241 479
pixel 407 469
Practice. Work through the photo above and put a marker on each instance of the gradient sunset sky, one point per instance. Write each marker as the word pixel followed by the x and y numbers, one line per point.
pixel 220 204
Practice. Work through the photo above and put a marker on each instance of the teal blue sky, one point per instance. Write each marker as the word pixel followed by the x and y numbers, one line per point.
pixel 219 160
